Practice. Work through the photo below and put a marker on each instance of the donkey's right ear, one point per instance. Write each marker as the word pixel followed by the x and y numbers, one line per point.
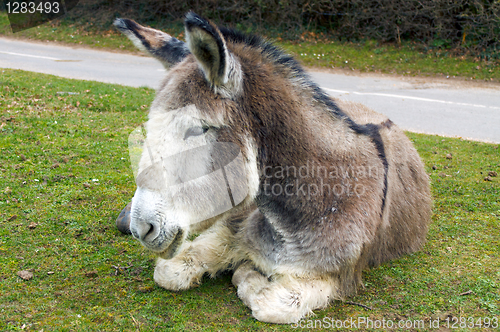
pixel 160 45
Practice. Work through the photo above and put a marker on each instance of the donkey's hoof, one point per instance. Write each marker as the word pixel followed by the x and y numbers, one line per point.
pixel 123 220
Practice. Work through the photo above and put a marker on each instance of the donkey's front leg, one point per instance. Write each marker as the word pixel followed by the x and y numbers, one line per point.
pixel 282 298
pixel 208 253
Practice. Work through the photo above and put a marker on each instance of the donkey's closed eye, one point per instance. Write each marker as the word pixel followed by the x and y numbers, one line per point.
pixel 195 131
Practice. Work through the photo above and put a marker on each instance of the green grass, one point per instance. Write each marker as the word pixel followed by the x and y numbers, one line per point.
pixel 58 222
pixel 314 50
pixel 407 59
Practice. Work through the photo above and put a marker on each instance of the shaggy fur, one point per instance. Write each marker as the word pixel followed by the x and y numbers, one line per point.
pixel 326 187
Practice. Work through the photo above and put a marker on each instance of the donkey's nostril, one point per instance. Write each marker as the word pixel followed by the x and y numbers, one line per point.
pixel 151 230
pixel 143 230
pixel 145 223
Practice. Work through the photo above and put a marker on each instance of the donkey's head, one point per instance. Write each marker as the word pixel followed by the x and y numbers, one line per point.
pixel 194 165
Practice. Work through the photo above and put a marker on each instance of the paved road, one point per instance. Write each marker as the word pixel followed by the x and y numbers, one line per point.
pixel 436 107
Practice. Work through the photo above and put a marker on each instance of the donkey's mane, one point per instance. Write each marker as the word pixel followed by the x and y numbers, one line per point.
pixel 282 59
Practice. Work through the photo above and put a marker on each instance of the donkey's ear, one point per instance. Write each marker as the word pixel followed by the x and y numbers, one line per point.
pixel 207 44
pixel 162 46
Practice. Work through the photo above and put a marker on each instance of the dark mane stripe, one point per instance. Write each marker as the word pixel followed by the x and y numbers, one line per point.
pixel 279 57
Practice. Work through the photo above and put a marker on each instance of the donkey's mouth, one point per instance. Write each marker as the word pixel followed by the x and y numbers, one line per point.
pixel 174 246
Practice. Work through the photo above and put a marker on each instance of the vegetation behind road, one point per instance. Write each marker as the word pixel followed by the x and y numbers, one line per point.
pixel 312 48
pixel 464 26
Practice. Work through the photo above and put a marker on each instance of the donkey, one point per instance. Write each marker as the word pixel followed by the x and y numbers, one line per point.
pixel 319 189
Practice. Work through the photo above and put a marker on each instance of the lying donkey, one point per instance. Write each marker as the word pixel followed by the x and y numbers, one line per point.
pixel 295 192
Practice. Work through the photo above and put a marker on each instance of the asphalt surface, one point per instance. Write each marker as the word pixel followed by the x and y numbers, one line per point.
pixel 443 107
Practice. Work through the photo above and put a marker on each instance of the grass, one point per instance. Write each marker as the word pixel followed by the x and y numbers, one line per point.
pixel 312 49
pixel 408 59
pixel 65 176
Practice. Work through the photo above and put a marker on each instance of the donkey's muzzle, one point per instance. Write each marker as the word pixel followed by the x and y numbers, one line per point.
pixel 148 224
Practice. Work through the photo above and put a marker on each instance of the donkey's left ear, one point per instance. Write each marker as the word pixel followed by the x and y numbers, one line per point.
pixel 207 44
pixel 167 49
